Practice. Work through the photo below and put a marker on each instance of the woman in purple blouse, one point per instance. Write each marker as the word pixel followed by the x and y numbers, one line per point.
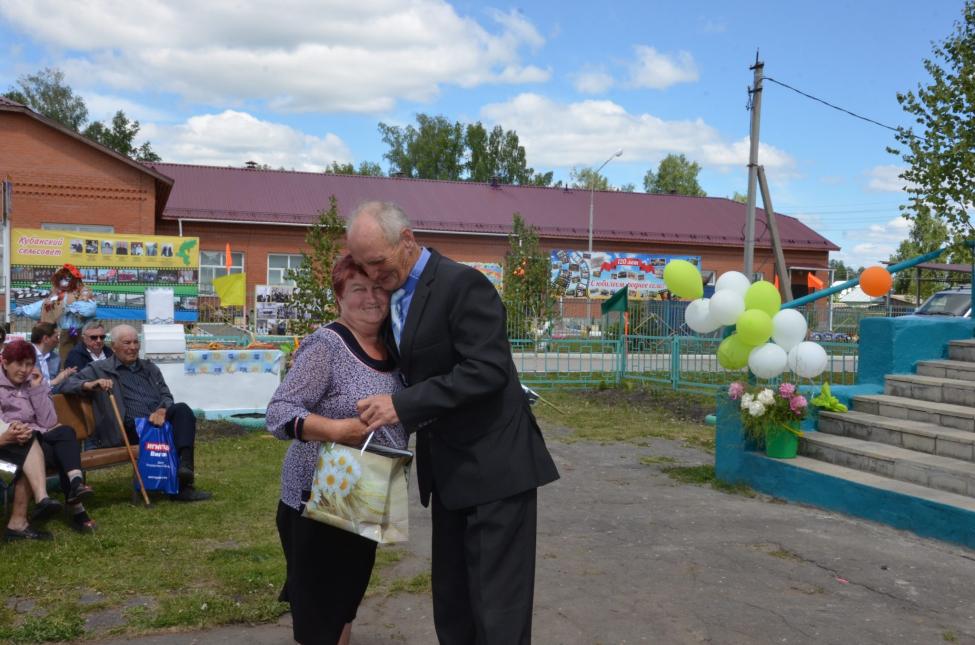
pixel 328 568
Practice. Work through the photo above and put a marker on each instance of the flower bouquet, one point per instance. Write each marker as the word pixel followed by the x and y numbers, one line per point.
pixel 771 416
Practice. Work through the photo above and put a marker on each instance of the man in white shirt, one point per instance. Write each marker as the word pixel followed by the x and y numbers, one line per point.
pixel 45 338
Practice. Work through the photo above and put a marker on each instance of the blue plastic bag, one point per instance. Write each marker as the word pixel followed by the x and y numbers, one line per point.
pixel 157 456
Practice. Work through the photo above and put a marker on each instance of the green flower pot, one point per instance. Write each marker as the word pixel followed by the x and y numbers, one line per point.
pixel 782 443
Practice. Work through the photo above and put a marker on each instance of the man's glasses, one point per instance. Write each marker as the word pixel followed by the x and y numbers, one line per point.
pixel 97 337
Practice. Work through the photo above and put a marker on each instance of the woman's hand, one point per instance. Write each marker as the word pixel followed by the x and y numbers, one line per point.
pixel 63 374
pixel 36 378
pixel 351 432
pixel 20 431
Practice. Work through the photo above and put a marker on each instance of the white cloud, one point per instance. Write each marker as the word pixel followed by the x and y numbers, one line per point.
pixel 584 133
pixel 232 138
pixel 659 71
pixel 874 243
pixel 894 230
pixel 301 55
pixel 885 179
pixel 102 107
pixel 592 81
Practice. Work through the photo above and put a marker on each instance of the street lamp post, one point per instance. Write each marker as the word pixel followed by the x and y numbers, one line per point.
pixel 592 193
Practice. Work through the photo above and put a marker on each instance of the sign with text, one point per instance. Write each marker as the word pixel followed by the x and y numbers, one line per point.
pixel 576 274
pixel 117 268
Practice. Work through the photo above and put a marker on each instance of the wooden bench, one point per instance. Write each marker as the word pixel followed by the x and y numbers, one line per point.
pixel 78 412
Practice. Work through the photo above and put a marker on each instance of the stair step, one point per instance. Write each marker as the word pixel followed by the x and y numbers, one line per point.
pixel 931 388
pixel 947 368
pixel 962 350
pixel 949 415
pixel 933 471
pixel 913 435
pixel 884 483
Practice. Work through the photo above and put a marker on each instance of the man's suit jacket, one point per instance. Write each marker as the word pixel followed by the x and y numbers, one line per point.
pixel 477 439
pixel 79 358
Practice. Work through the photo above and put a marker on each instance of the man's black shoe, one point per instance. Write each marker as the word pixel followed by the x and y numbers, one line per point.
pixel 190 494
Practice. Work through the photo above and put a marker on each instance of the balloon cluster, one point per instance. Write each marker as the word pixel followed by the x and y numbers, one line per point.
pixel 755 311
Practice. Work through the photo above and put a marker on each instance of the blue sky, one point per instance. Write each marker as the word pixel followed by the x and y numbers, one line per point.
pixel 301 83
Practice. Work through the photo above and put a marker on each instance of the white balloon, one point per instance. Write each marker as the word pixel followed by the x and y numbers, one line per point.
pixel 697 316
pixel 726 306
pixel 808 359
pixel 732 281
pixel 789 328
pixel 767 361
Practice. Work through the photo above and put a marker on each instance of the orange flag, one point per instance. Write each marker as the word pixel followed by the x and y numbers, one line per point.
pixel 776 281
pixel 813 282
pixel 228 259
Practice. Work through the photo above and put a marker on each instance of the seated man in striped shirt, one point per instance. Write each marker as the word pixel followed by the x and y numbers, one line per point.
pixel 141 391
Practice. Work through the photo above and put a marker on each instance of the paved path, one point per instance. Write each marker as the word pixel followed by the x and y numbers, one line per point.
pixel 627 555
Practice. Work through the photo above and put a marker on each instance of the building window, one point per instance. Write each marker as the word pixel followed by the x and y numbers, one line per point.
pixel 278 265
pixel 213 265
pixel 90 228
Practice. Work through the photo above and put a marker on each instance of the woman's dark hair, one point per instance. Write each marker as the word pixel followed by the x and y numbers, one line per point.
pixel 19 350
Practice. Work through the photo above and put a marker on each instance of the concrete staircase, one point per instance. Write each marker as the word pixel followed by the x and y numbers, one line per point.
pixel 917 438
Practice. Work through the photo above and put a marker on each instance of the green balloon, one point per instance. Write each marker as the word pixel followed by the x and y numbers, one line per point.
pixel 763 295
pixel 754 327
pixel 733 354
pixel 683 279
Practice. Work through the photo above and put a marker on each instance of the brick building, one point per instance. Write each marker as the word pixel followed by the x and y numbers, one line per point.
pixel 62 180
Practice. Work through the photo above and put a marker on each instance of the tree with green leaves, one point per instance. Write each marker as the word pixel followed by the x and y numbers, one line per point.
pixel 46 93
pixel 528 295
pixel 433 149
pixel 366 168
pixel 436 148
pixel 928 233
pixel 588 179
pixel 313 298
pixel 739 197
pixel 121 138
pixel 940 158
pixel 675 176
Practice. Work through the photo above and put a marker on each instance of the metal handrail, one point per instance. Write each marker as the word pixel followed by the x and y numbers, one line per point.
pixel 894 268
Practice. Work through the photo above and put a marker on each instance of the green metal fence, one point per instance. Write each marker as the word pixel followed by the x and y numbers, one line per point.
pixel 678 362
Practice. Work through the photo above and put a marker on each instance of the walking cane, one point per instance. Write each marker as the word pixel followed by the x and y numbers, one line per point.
pixel 128 447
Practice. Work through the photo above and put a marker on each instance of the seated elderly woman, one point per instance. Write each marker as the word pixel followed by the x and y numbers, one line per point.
pixel 25 399
pixel 19 447
pixel 333 368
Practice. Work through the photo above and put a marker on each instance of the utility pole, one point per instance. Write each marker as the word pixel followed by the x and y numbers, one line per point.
pixel 773 230
pixel 756 101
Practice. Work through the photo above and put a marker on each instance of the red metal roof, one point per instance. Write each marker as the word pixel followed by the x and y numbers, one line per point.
pixel 288 197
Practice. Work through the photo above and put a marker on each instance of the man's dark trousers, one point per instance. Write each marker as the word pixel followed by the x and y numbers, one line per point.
pixel 484 571
pixel 183 422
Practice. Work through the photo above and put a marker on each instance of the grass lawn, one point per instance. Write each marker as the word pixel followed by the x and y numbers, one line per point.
pixel 169 566
pixel 631 413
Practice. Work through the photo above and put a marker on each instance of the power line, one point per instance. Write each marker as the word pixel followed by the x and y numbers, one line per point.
pixel 835 107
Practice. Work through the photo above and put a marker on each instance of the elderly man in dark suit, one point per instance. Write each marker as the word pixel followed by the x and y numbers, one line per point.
pixel 480 455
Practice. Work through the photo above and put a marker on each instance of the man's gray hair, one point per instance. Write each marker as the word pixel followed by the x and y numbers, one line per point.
pixel 94 323
pixel 389 216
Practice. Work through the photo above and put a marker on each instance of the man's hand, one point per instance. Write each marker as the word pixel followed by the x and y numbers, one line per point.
pixel 36 378
pixel 104 384
pixel 377 411
pixel 63 374
pixel 158 417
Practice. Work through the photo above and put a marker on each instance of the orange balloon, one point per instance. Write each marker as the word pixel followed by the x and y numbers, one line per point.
pixel 876 281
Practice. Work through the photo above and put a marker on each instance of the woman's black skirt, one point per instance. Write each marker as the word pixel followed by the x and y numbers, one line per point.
pixel 328 572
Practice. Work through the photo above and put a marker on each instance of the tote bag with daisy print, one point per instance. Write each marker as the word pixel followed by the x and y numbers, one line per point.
pixel 362 491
